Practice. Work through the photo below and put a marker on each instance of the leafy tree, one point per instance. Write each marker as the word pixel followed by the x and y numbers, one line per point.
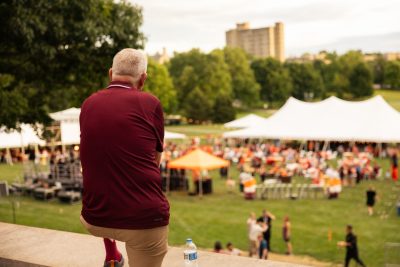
pixel 348 61
pixel 327 72
pixel 195 69
pixel 58 52
pixel 378 69
pixel 340 84
pixel 198 106
pixel 392 74
pixel 361 81
pixel 223 111
pixel 307 82
pixel 218 78
pixel 244 86
pixel 160 84
pixel 342 68
pixel 273 78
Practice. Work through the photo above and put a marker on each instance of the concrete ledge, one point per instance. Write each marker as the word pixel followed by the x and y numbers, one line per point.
pixel 36 247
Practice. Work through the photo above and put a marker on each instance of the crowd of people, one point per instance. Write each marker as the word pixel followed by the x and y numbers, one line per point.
pixel 259 238
pixel 42 156
pixel 341 165
pixel 259 233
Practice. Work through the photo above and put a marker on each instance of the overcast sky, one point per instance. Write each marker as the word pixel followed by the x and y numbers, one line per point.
pixel 310 25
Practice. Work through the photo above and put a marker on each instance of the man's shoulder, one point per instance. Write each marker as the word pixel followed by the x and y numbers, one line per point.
pixel 140 95
pixel 148 96
pixel 88 100
pixel 94 96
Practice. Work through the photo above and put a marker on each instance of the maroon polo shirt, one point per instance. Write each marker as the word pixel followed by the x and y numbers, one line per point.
pixel 121 130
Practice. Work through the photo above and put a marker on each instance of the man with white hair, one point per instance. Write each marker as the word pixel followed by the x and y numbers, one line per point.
pixel 122 133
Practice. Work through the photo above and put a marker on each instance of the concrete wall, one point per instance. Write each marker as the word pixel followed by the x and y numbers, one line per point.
pixel 36 247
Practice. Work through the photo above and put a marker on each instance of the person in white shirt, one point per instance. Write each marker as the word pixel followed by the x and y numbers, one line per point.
pixel 255 230
pixel 251 220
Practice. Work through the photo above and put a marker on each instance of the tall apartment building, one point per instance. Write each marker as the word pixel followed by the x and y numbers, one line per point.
pixel 262 42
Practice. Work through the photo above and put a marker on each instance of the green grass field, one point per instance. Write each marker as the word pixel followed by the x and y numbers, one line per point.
pixel 222 216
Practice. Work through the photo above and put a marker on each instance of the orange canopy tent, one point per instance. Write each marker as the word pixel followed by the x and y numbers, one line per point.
pixel 198 160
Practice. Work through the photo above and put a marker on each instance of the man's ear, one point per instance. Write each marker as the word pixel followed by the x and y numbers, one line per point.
pixel 142 79
pixel 110 74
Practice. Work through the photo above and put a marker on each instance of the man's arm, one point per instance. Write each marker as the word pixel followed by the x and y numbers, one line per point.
pixel 158 158
pixel 264 227
pixel 272 216
pixel 159 125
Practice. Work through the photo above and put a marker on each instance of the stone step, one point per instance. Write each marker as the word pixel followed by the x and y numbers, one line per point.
pixel 37 247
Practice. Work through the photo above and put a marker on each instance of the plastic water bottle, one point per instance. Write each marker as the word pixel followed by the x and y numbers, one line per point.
pixel 190 254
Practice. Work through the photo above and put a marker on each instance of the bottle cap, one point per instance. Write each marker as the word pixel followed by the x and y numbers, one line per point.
pixel 188 240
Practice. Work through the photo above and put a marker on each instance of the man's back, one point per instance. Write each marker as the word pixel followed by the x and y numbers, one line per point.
pixel 121 130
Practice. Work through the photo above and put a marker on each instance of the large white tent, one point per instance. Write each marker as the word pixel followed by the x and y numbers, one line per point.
pixel 71 114
pixel 171 135
pixel 332 119
pixel 246 121
pixel 14 139
pixel 70 129
pixel 69 125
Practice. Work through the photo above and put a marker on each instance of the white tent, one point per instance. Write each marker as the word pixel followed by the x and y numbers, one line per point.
pixel 69 125
pixel 70 129
pixel 15 139
pixel 70 132
pixel 172 135
pixel 71 114
pixel 332 119
pixel 245 122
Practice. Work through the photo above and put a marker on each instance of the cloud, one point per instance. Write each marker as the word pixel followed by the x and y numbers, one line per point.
pixel 389 42
pixel 309 24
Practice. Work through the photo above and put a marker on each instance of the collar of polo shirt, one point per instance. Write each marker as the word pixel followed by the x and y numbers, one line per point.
pixel 121 85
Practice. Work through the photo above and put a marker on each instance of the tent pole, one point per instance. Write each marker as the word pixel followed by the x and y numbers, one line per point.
pixel 302 144
pixel 379 150
pixel 22 143
pixel 326 144
pixel 52 146
pixel 8 156
pixel 200 186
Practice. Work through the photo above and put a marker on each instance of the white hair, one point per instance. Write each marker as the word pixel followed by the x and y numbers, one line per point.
pixel 130 62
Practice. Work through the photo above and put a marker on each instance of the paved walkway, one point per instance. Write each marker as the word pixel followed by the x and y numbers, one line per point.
pixel 37 247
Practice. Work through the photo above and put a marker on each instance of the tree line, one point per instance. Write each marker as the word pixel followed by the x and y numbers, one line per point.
pixel 208 84
pixel 54 54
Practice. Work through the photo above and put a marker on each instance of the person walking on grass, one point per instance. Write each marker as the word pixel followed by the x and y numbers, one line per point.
pixel 394 165
pixel 351 247
pixel 122 133
pixel 371 199
pixel 286 234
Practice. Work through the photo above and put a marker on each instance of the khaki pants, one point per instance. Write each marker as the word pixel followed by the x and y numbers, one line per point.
pixel 253 248
pixel 145 248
